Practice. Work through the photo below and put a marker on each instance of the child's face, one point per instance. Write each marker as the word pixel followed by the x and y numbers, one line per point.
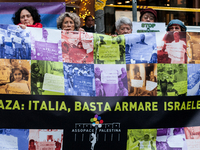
pixel 169 86
pixel 36 68
pixel 17 75
pixel 15 63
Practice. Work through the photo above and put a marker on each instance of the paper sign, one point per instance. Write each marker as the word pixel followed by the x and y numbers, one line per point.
pixel 46 51
pixel 17 40
pixel 18 88
pixel 109 77
pixel 181 87
pixel 151 85
pixel 176 141
pixel 8 142
pixel 8 39
pixel 175 51
pixel 109 52
pixel 46 145
pixel 136 83
pixel 141 52
pixel 53 83
pixel 83 84
pixel 193 144
pixel 139 27
pixel 4 75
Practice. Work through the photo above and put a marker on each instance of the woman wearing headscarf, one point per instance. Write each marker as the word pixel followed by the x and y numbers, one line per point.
pixel 148 15
pixel 176 25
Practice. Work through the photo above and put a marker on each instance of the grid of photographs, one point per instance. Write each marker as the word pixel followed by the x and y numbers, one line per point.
pixel 180 138
pixel 31 139
pixel 87 64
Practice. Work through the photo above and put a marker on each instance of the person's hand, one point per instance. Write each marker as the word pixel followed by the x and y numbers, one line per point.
pixel 113 35
pixel 81 29
pixel 22 26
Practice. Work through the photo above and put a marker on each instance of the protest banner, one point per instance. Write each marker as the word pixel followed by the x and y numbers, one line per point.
pixel 100 105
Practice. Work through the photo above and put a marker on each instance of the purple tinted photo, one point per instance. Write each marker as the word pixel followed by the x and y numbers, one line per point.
pixel 171 139
pixel 111 80
pixel 46 44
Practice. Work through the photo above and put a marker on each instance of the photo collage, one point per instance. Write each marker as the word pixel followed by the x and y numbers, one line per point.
pixel 183 138
pixel 52 62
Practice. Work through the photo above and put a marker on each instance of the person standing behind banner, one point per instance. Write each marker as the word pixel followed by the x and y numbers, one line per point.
pixel 148 15
pixel 89 24
pixel 27 17
pixel 123 26
pixel 176 25
pixel 69 21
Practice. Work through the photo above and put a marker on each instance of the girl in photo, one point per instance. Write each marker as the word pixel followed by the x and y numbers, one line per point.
pixel 17 76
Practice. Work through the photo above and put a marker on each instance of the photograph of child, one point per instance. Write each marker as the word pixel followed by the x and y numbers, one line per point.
pixel 172 80
pixel 14 42
pixel 142 79
pixel 173 48
pixel 141 139
pixel 47 78
pixel 110 80
pixel 171 139
pixel 50 139
pixel 141 48
pixel 77 47
pixel 193 75
pixel 79 79
pixel 109 49
pixel 15 76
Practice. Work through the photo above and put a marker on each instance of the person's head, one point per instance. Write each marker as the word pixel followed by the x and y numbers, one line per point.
pixel 151 73
pixel 27 15
pixel 14 62
pixel 142 37
pixel 89 21
pixel 180 66
pixel 70 70
pixel 17 34
pixel 31 142
pixel 35 68
pixel 44 33
pixel 176 36
pixel 76 71
pixel 148 15
pixel 146 137
pixel 170 85
pixel 123 70
pixel 17 74
pixel 176 131
pixel 97 71
pixel 68 21
pixel 154 58
pixel 8 33
pixel 123 26
pixel 121 85
pixel 176 25
pixel 80 45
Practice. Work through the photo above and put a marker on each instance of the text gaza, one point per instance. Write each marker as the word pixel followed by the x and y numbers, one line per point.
pixel 34 105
